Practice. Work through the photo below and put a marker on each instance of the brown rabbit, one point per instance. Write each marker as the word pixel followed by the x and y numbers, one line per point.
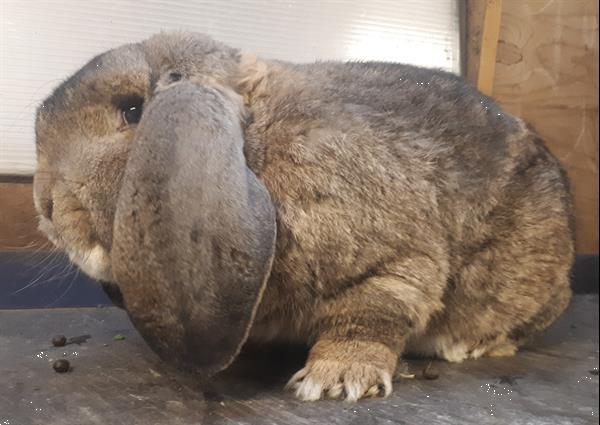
pixel 367 209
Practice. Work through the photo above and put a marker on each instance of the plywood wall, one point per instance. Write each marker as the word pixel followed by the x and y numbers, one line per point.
pixel 547 73
pixel 18 221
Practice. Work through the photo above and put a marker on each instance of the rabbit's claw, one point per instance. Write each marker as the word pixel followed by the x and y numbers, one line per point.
pixel 341 378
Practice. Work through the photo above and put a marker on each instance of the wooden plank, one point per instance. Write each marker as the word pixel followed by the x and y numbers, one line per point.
pixel 474 25
pixel 489 44
pixel 123 382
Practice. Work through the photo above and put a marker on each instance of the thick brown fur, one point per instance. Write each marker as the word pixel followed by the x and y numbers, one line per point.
pixel 413 214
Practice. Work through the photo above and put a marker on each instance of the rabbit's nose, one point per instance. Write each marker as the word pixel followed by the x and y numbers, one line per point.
pixel 43 183
pixel 47 208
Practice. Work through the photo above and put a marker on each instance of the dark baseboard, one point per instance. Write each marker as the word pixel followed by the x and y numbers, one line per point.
pixel 15 179
pixel 37 280
pixel 585 274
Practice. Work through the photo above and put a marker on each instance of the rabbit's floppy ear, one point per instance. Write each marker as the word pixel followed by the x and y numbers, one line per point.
pixel 194 231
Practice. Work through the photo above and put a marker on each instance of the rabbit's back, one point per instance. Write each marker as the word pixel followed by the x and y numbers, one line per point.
pixel 424 127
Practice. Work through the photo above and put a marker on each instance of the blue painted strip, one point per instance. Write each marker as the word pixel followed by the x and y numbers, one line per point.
pixel 41 280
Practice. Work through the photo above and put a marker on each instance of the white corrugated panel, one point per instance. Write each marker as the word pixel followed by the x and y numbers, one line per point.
pixel 42 42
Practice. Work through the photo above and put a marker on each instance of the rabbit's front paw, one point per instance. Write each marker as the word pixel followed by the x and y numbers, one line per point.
pixel 345 370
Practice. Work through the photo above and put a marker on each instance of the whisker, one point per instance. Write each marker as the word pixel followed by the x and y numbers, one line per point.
pixel 30 247
pixel 45 247
pixel 41 275
pixel 50 258
pixel 63 276
pixel 68 268
pixel 66 290
pixel 65 271
pixel 52 262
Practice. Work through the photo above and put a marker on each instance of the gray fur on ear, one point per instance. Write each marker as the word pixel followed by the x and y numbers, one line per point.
pixel 194 231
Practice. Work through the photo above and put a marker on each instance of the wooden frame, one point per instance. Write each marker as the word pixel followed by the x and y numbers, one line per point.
pixel 489 46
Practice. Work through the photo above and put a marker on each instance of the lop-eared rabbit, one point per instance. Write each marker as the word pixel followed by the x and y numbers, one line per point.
pixel 369 210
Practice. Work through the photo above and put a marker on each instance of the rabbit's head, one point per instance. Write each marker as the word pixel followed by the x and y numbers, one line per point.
pixel 142 180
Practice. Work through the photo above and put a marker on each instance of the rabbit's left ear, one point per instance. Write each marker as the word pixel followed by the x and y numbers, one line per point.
pixel 194 231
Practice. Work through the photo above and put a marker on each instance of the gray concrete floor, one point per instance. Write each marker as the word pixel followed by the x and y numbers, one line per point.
pixel 553 381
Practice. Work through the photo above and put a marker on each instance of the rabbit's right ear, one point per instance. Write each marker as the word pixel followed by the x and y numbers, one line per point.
pixel 194 232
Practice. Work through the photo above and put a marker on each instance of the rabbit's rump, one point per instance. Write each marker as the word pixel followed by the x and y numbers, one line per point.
pixel 512 284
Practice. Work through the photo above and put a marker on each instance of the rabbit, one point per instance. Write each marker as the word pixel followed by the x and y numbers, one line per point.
pixel 369 210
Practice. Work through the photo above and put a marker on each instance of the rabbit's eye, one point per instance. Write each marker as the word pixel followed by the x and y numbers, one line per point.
pixel 131 110
pixel 132 115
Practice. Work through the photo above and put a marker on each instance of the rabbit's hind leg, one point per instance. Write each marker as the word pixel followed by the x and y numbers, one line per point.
pixel 510 278
pixel 489 326
pixel 500 300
